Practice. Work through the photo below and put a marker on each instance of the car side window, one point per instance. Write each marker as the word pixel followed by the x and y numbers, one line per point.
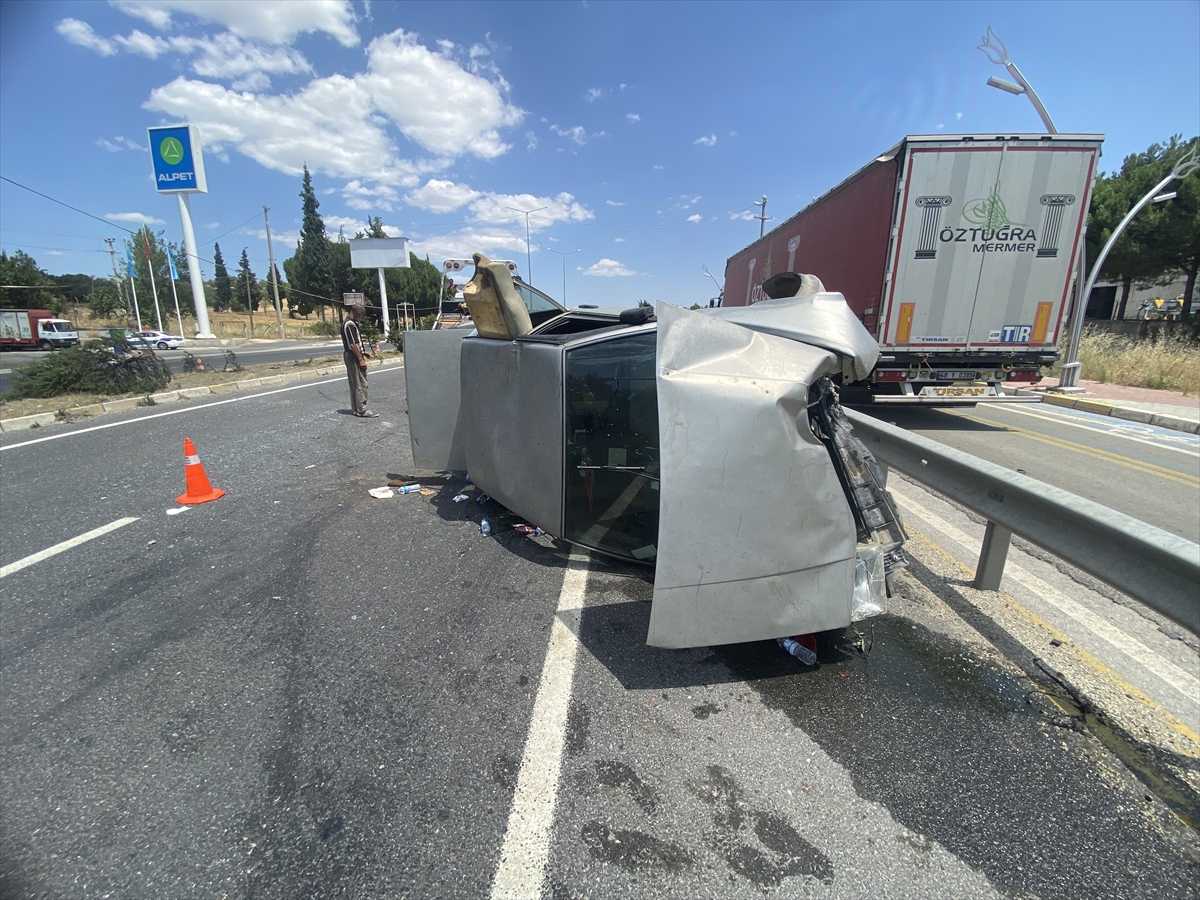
pixel 612 455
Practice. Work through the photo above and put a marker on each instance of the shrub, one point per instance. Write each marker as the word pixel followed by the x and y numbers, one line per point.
pixel 427 322
pixel 98 367
pixel 323 329
pixel 395 336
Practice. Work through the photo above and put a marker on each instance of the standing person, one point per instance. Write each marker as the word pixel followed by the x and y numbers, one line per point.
pixel 355 354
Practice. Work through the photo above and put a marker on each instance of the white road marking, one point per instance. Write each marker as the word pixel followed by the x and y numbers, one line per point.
pixel 1186 684
pixel 175 412
pixel 65 545
pixel 526 848
pixel 1118 428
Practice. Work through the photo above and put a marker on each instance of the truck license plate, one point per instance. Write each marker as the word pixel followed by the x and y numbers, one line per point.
pixel 957 376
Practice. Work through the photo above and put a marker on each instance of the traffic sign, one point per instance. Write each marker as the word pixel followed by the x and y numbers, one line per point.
pixel 178 161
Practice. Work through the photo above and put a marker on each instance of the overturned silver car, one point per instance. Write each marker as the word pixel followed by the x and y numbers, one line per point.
pixel 708 443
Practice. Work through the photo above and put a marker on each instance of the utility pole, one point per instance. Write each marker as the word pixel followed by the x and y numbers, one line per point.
pixel 762 217
pixel 274 281
pixel 249 300
pixel 116 274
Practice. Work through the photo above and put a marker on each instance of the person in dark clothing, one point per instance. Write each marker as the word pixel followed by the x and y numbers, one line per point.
pixel 355 353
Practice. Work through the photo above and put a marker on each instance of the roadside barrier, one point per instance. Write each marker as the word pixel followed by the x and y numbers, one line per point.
pixel 1158 569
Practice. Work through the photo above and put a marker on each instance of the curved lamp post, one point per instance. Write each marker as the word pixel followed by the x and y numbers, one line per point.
pixel 720 287
pixel 993 48
pixel 528 258
pixel 1070 367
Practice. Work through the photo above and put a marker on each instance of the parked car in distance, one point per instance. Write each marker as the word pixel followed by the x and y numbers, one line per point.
pixel 159 339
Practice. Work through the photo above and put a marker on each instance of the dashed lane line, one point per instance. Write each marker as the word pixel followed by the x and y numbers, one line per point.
pixel 65 545
pixel 1185 683
pixel 526 848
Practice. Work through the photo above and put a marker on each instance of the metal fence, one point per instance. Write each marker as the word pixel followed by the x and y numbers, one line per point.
pixel 1155 567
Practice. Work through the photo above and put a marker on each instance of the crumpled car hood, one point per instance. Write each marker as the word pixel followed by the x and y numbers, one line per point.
pixel 822 320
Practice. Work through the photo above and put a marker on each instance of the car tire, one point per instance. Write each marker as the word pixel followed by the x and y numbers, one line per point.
pixel 162 345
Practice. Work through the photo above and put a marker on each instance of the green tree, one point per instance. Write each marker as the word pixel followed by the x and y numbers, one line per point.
pixel 223 289
pixel 26 286
pixel 1163 240
pixel 247 285
pixel 105 302
pixel 312 272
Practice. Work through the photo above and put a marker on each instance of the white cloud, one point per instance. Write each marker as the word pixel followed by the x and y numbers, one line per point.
pixel 255 83
pixel 338 124
pixel 135 217
pixel 615 202
pixel 434 101
pixel 81 34
pixel 687 200
pixel 499 207
pixel 578 134
pixel 618 240
pixel 696 217
pixel 633 118
pixel 143 44
pixel 214 225
pixel 228 56
pixel 658 168
pixel 706 141
pixel 53 252
pixel 441 196
pixel 119 143
pixel 733 134
pixel 493 243
pixel 593 95
pixel 271 21
pixel 742 215
pixel 359 196
pixel 531 141
pixel 957 116
pixel 608 268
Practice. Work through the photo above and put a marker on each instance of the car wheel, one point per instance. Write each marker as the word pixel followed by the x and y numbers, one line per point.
pixel 162 345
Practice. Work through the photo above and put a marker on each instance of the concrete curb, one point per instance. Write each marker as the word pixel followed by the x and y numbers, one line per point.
pixel 39 420
pixel 1108 408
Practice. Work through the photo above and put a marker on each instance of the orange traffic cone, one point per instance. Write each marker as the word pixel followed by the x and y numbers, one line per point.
pixel 198 488
pixel 199 364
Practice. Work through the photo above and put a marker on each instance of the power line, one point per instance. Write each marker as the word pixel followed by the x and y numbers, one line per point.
pixel 107 222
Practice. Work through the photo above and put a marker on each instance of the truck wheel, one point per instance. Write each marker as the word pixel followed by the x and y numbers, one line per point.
pixel 45 345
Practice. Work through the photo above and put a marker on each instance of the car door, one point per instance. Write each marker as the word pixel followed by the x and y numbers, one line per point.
pixel 433 386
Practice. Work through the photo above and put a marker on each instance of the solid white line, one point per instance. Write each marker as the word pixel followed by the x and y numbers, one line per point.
pixel 1186 684
pixel 526 848
pixel 175 412
pixel 1119 425
pixel 65 545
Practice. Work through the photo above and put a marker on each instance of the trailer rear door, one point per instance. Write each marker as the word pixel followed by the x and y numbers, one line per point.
pixel 987 243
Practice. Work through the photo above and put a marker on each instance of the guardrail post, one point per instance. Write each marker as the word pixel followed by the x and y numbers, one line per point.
pixel 992 557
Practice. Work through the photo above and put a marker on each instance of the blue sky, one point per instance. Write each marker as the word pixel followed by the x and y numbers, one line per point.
pixel 646 129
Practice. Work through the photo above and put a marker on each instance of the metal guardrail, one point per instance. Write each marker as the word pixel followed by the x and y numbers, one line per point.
pixel 1159 569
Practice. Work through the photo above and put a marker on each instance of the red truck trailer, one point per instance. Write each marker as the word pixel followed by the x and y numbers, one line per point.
pixel 956 251
pixel 35 329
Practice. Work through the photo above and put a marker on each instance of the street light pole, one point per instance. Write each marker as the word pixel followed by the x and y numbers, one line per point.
pixel 720 287
pixel 993 48
pixel 1069 377
pixel 564 255
pixel 528 258
pixel 762 217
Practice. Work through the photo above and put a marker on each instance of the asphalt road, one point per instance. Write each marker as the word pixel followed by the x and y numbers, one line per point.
pixel 1150 473
pixel 247 354
pixel 300 691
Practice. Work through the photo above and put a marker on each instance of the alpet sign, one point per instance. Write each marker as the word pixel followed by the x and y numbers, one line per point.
pixel 178 161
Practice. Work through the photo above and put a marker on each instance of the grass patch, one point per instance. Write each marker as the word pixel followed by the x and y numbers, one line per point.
pixel 1169 364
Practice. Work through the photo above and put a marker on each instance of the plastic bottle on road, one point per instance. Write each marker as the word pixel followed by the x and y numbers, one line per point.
pixel 797 650
pixel 409 489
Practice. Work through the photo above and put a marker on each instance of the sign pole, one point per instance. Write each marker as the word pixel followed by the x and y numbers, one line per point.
pixel 383 300
pixel 197 280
